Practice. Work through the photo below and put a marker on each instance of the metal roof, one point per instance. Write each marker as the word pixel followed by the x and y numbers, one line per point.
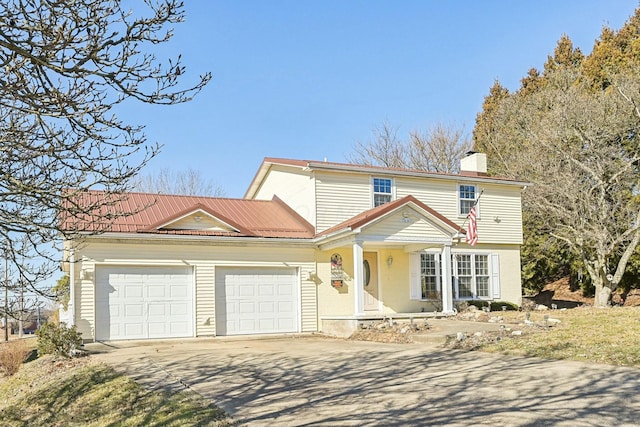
pixel 155 213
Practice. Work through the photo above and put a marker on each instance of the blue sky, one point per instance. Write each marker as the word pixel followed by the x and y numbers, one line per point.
pixel 308 79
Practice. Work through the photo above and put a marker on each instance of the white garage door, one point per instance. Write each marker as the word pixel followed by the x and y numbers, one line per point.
pixel 144 302
pixel 256 300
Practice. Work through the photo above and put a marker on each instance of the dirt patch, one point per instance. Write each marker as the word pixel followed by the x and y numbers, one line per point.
pixel 389 331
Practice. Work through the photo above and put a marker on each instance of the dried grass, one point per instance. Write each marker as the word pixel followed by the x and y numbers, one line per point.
pixel 12 356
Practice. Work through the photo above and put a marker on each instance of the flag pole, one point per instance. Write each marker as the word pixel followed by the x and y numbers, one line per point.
pixel 474 205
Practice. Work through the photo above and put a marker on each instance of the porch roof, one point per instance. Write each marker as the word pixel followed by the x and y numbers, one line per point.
pixel 372 215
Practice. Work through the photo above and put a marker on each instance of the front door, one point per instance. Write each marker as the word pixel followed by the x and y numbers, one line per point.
pixel 370 281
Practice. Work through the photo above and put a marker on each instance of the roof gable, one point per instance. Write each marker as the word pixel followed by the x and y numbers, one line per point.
pixel 201 218
pixel 404 208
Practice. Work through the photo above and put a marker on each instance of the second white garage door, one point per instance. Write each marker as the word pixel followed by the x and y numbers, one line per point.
pixel 256 301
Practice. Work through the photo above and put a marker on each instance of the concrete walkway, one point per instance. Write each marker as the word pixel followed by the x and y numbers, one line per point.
pixel 321 381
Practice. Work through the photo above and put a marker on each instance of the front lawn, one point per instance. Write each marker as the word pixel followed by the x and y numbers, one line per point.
pixel 610 336
pixel 81 392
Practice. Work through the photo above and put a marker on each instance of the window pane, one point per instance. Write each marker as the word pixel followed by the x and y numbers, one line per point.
pixel 482 285
pixel 464 265
pixel 482 265
pixel 464 287
pixel 381 185
pixel 380 199
pixel 429 276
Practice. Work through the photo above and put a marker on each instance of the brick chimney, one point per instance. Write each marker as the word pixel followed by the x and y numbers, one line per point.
pixel 473 164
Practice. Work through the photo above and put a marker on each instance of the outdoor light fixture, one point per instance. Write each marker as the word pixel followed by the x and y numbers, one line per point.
pixel 389 260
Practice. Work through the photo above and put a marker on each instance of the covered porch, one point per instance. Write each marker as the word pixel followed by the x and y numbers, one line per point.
pixel 397 264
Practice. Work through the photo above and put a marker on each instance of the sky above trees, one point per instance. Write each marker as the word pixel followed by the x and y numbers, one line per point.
pixel 311 79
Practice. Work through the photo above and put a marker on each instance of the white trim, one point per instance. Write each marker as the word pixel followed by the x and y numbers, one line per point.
pixel 494 276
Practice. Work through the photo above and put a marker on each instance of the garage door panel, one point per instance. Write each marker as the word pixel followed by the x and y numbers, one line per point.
pixel 246 307
pixel 143 302
pixel 134 329
pixel 178 292
pixel 246 290
pixel 131 291
pixel 178 310
pixel 156 291
pixel 267 307
pixel 285 307
pixel 266 290
pixel 157 309
pixel 256 300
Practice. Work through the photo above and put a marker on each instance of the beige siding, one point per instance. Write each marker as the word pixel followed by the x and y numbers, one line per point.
pixel 205 300
pixel 205 223
pixel 294 186
pixel 340 197
pixel 497 201
pixel 440 195
pixel 335 301
pixel 204 258
pixel 85 298
pixel 500 215
pixel 412 228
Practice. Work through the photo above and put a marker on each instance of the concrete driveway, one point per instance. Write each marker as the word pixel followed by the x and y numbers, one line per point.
pixel 321 381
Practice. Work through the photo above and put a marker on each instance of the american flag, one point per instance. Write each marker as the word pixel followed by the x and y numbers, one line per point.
pixel 472 228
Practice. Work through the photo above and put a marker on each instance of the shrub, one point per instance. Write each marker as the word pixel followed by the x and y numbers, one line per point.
pixel 495 305
pixel 58 340
pixel 12 355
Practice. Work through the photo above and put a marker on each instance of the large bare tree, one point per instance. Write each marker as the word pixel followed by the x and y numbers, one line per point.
pixel 65 67
pixel 581 149
pixel 436 149
pixel 190 182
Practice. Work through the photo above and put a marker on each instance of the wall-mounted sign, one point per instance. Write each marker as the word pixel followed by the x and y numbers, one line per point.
pixel 337 274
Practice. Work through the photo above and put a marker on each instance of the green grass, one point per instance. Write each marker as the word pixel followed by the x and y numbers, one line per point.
pixel 80 392
pixel 610 336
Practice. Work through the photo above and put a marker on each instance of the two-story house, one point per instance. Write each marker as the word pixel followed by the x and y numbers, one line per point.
pixel 313 246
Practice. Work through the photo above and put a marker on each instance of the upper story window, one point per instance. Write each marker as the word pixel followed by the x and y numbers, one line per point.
pixel 467 198
pixel 382 191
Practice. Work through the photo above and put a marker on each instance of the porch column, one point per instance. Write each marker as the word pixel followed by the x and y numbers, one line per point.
pixel 358 273
pixel 445 274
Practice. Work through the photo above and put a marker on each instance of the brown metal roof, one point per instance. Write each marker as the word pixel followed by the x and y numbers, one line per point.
pixel 372 214
pixel 153 213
